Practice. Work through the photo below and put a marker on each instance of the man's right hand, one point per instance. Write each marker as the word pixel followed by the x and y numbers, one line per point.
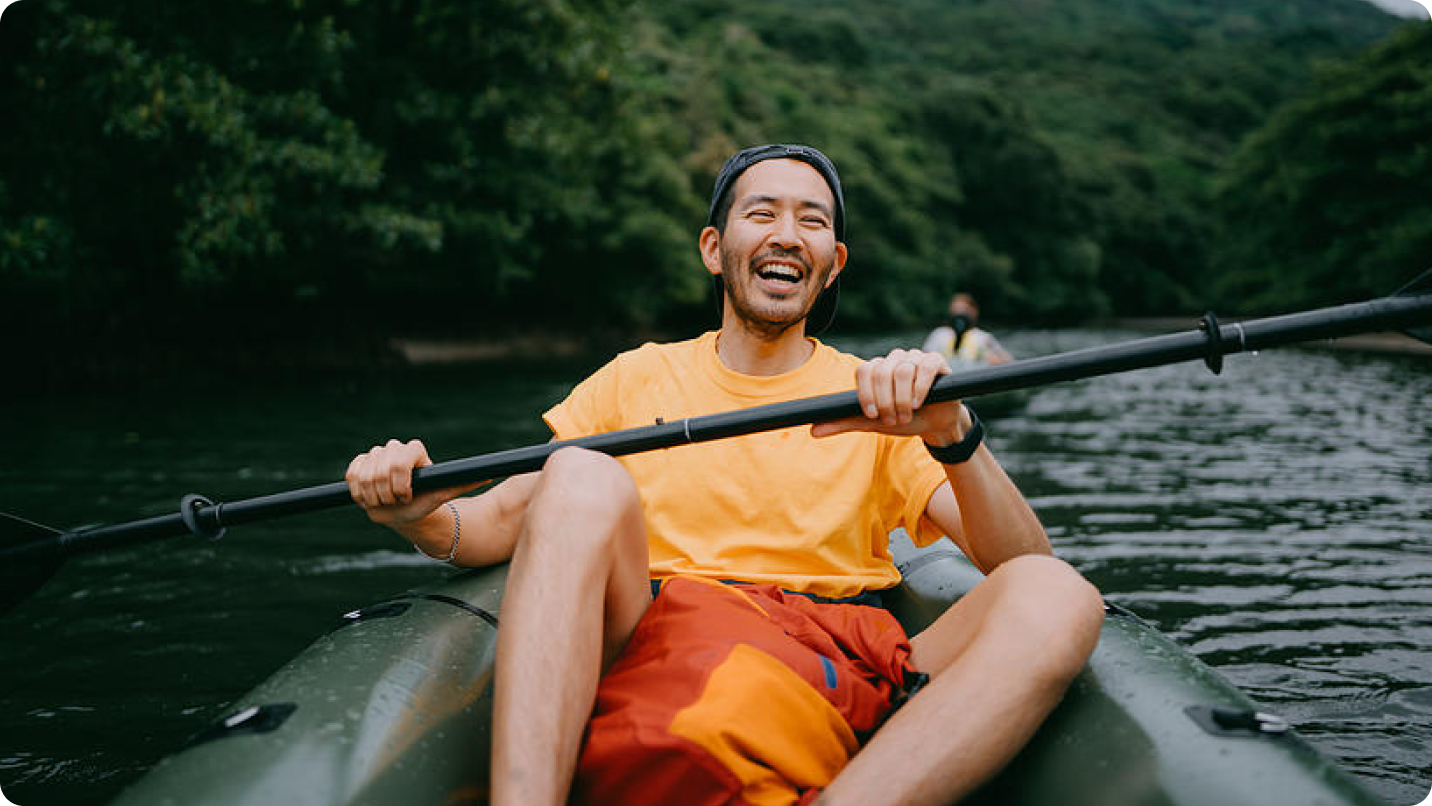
pixel 381 481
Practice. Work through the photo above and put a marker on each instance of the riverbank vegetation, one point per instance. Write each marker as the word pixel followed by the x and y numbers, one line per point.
pixel 336 173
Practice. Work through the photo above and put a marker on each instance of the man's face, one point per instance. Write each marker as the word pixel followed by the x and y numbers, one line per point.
pixel 779 249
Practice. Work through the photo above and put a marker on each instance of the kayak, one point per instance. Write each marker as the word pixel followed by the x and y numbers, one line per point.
pixel 393 707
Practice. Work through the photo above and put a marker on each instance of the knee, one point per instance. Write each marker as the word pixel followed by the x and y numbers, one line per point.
pixel 587 477
pixel 1056 610
pixel 589 487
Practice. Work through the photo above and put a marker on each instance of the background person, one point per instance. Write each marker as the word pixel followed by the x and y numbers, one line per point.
pixel 961 336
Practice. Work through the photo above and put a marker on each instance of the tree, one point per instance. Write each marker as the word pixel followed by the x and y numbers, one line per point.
pixel 1332 199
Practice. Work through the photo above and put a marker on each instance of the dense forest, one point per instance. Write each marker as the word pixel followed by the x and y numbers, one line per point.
pixel 277 171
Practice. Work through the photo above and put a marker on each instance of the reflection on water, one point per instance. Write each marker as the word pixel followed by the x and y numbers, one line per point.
pixel 1275 519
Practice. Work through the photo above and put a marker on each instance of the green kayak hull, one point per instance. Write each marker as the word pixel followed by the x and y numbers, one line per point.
pixel 394 708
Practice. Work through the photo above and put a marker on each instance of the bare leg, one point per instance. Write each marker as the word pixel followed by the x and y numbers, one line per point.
pixel 576 589
pixel 999 659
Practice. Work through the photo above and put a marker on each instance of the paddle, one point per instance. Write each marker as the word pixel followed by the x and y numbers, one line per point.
pixel 30 553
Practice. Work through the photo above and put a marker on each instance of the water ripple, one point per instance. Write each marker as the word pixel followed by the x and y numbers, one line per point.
pixel 1274 519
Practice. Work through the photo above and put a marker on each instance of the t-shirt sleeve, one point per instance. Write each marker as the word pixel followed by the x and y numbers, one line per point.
pixel 922 475
pixel 590 407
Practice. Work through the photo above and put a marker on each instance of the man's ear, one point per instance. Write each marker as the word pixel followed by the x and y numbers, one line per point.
pixel 710 244
pixel 841 253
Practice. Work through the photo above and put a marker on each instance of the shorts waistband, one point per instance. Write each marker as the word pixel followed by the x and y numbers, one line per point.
pixel 869 598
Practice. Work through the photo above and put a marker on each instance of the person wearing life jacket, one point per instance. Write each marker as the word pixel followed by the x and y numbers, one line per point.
pixel 694 624
pixel 961 337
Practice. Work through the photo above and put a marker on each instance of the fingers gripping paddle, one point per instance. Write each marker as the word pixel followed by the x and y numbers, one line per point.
pixel 30 553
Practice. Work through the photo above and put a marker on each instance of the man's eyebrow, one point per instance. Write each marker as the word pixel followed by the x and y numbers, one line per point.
pixel 813 203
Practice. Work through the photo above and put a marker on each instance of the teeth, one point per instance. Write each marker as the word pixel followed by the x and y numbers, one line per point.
pixel 780 272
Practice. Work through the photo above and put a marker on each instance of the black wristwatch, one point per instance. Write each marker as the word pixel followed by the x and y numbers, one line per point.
pixel 957 452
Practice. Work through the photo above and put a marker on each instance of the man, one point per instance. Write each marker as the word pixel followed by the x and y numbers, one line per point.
pixel 806 508
pixel 962 337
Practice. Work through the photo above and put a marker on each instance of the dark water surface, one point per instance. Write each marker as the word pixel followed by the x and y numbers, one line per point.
pixel 1277 520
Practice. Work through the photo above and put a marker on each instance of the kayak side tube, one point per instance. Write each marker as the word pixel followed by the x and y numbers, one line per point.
pixel 395 707
pixel 392 707
pixel 1144 724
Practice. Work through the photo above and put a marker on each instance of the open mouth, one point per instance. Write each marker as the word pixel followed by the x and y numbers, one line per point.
pixel 779 272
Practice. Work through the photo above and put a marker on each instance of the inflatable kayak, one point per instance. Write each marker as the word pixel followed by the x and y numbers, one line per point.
pixel 393 706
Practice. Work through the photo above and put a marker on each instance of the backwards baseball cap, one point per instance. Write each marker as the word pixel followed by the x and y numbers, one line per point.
pixel 747 157
pixel 823 312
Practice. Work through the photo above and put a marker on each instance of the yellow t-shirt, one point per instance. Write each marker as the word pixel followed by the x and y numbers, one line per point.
pixel 782 507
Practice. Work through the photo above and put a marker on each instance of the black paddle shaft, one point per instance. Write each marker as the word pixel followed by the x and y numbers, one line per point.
pixel 1209 343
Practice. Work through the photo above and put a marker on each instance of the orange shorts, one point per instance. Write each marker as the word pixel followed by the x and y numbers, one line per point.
pixel 740 694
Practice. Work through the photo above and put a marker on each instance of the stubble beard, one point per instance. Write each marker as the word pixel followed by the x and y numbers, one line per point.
pixel 768 324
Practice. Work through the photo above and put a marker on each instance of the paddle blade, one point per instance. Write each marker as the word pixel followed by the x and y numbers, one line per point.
pixel 1421 285
pixel 29 556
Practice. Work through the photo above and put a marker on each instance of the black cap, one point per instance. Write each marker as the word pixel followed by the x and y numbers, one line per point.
pixel 823 312
pixel 747 157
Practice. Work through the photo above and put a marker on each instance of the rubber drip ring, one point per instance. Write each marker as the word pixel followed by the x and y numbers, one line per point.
pixel 189 507
pixel 1214 358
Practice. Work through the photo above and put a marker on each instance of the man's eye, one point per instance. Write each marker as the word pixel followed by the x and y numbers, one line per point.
pixel 764 215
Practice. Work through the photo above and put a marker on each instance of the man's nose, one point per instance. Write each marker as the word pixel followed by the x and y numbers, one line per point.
pixel 784 232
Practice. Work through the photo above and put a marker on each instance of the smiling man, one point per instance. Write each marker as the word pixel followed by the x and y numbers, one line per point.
pixel 701 624
pixel 774 277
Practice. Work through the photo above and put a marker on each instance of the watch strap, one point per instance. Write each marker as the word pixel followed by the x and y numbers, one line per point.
pixel 957 452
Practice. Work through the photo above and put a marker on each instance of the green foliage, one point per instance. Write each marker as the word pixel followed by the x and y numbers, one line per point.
pixel 1332 200
pixel 408 165
pixel 1018 197
pixel 175 176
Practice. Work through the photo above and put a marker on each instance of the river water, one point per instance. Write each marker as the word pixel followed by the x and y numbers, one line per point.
pixel 1276 519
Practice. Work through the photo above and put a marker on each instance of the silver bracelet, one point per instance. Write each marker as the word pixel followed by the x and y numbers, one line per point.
pixel 456 536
